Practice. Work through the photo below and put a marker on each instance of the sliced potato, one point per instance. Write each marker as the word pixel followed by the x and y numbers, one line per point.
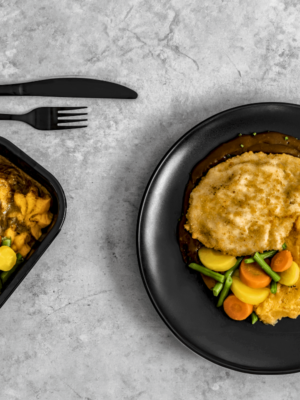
pixel 215 260
pixel 8 258
pixel 246 294
pixel 290 276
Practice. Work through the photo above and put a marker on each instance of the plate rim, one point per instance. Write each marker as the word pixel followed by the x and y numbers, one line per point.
pixel 211 358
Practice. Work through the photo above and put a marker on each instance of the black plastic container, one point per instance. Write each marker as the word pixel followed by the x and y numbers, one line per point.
pixel 58 209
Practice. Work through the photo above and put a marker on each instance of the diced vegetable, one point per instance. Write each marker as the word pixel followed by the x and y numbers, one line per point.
pixel 254 318
pixel 253 276
pixel 290 276
pixel 225 291
pixel 266 268
pixel 208 272
pixel 273 287
pixel 209 282
pixel 234 268
pixel 215 260
pixel 217 289
pixel 266 254
pixel 237 309
pixel 7 274
pixel 8 258
pixel 6 241
pixel 248 295
pixel 282 261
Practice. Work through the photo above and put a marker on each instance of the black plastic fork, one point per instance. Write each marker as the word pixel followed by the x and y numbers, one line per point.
pixel 48 118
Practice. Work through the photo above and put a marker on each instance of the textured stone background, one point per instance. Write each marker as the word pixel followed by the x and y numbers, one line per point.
pixel 81 325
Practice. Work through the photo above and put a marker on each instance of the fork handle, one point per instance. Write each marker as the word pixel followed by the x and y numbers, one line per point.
pixel 12 90
pixel 11 117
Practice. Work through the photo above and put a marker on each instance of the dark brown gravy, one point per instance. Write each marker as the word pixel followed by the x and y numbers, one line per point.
pixel 268 142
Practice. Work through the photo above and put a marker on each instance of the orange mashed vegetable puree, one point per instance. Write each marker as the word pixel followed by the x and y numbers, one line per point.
pixel 286 302
pixel 24 208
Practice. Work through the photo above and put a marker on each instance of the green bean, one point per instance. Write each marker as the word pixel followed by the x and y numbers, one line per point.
pixel 284 246
pixel 7 274
pixel 6 241
pixel 264 255
pixel 225 291
pixel 273 287
pixel 254 318
pixel 207 272
pixel 266 268
pixel 217 289
pixel 232 269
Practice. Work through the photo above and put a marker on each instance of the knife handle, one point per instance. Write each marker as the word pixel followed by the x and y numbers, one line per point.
pixel 12 90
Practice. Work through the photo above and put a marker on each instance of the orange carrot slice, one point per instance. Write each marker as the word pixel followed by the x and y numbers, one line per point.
pixel 282 261
pixel 209 282
pixel 253 275
pixel 236 309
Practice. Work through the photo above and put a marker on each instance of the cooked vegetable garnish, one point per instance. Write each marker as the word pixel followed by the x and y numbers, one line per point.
pixel 216 260
pixel 217 289
pixel 254 318
pixel 290 276
pixel 225 291
pixel 253 276
pixel 282 261
pixel 232 269
pixel 207 272
pixel 246 294
pixel 284 246
pixel 264 255
pixel 7 274
pixel 237 309
pixel 6 241
pixel 209 282
pixel 8 258
pixel 273 287
pixel 265 267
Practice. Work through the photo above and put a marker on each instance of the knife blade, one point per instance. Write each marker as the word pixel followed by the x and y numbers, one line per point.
pixel 69 87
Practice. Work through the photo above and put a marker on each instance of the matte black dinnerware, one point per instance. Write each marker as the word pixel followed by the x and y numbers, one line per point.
pixel 183 302
pixel 58 209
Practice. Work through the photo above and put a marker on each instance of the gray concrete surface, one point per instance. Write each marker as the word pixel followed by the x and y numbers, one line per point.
pixel 81 325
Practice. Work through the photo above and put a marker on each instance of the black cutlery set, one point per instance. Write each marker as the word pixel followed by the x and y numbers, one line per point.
pixel 54 118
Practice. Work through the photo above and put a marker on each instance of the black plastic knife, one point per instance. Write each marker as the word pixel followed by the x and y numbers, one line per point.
pixel 69 87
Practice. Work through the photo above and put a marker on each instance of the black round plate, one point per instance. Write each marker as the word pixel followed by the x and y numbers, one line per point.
pixel 182 301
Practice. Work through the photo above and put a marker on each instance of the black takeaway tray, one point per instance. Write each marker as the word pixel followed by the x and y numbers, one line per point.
pixel 58 209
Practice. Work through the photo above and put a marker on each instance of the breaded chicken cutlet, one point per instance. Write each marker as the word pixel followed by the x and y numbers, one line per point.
pixel 247 204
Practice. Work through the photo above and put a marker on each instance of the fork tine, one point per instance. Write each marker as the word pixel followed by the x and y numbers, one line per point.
pixel 69 108
pixel 61 127
pixel 70 114
pixel 65 121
